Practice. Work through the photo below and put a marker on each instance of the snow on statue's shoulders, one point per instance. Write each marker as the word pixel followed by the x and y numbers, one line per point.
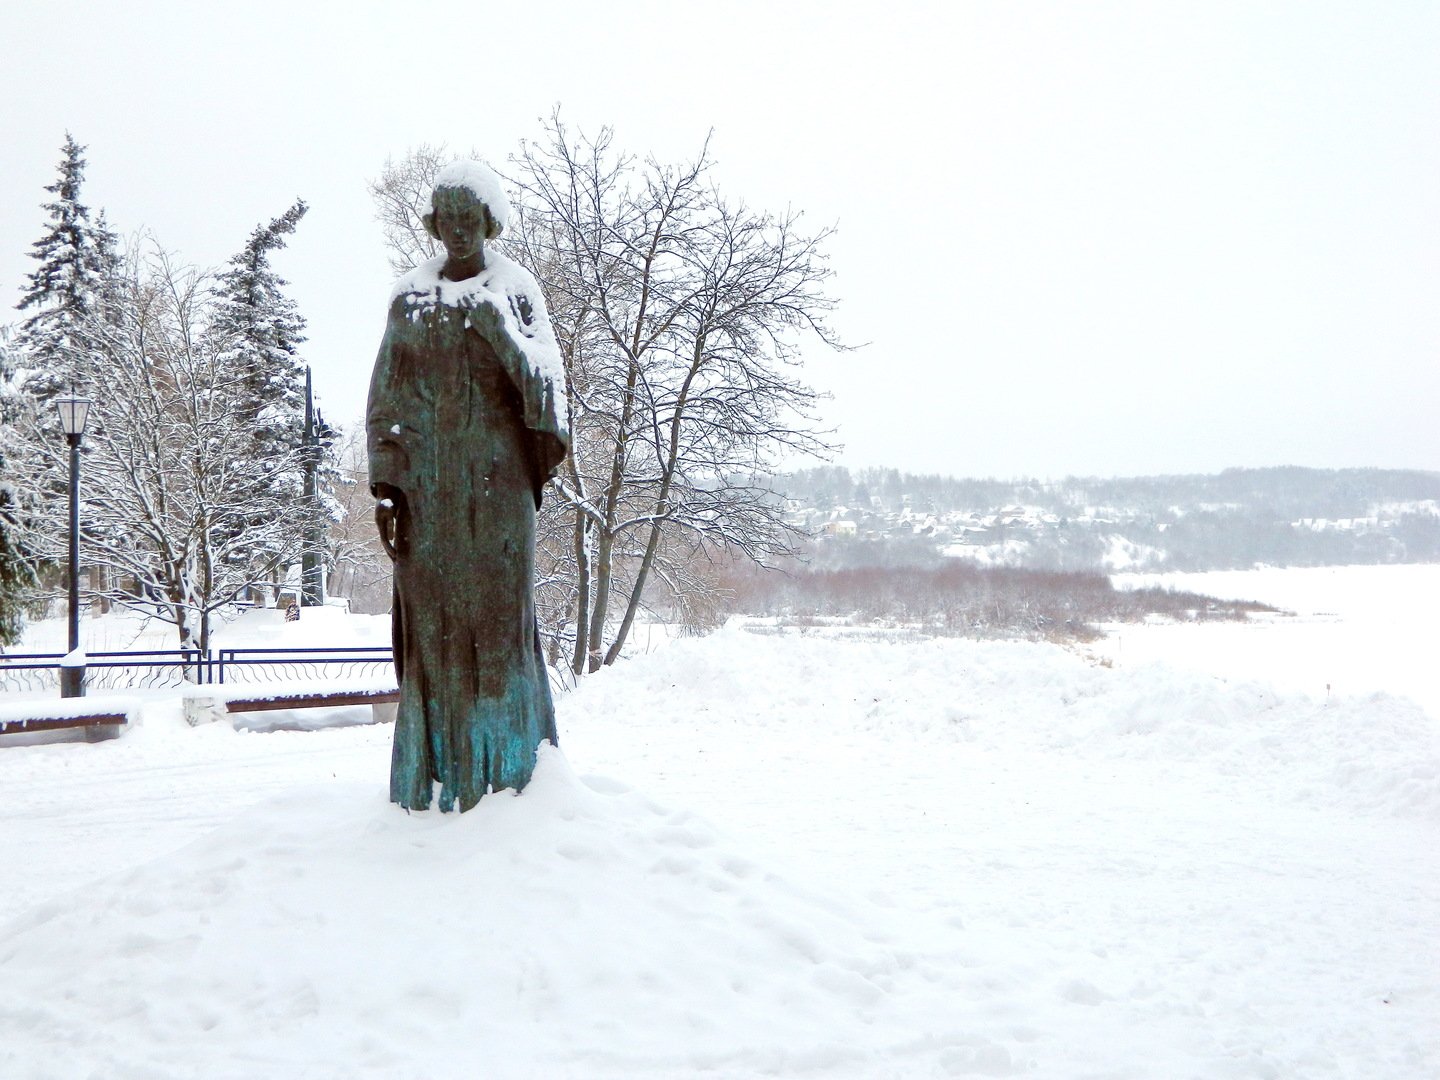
pixel 509 288
pixel 421 283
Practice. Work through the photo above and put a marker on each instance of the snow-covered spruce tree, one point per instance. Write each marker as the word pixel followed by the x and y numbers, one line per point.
pixel 257 331
pixel 70 289
pixel 15 572
pixel 78 261
pixel 262 330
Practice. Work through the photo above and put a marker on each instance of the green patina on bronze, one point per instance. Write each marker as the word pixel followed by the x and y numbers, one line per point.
pixel 462 435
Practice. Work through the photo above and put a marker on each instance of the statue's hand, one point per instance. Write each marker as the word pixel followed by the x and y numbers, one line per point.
pixel 489 323
pixel 387 519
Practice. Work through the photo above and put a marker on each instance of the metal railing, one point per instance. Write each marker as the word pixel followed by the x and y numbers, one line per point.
pixel 139 670
pixel 160 668
pixel 270 665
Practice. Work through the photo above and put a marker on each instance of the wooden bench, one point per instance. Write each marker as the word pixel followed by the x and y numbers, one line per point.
pixel 207 704
pixel 101 717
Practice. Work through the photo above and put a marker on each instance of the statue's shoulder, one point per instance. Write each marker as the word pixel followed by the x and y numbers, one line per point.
pixel 418 286
pixel 504 274
pixel 508 278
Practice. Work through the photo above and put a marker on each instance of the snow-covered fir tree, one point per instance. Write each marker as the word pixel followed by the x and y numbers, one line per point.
pixel 258 330
pixel 78 264
pixel 66 301
pixel 15 574
pixel 262 329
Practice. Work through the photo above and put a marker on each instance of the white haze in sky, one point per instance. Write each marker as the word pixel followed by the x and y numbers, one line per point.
pixel 1074 239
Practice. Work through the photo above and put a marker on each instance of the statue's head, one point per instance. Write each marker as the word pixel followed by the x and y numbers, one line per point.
pixel 467 207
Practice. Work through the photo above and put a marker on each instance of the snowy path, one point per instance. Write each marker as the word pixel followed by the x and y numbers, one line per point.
pixel 73 816
pixel 937 859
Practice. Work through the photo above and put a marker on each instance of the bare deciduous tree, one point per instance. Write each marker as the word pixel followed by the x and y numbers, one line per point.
pixel 402 198
pixel 679 315
pixel 358 568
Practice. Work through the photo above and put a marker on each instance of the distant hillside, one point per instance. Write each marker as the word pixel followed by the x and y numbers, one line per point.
pixel 1237 519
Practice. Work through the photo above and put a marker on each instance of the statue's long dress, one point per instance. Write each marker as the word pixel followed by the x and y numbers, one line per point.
pixel 447 432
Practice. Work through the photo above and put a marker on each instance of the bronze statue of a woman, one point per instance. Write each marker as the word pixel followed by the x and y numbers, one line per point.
pixel 467 419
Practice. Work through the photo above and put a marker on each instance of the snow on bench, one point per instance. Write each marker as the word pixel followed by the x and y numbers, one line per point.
pixel 101 717
pixel 207 704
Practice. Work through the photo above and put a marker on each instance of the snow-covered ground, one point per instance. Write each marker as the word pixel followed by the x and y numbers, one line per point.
pixel 763 854
pixel 260 628
pixel 1345 630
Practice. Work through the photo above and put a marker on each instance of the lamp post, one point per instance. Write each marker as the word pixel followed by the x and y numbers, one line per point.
pixel 312 576
pixel 74 411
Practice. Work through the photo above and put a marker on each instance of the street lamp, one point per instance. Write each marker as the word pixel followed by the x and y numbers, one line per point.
pixel 74 411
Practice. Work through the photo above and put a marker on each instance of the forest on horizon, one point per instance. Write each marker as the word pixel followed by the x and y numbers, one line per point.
pixel 1283 516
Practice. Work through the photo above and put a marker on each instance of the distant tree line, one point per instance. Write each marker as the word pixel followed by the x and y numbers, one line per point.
pixel 959 599
pixel 1232 520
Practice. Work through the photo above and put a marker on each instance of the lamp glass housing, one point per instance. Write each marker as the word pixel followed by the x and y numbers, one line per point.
pixel 74 411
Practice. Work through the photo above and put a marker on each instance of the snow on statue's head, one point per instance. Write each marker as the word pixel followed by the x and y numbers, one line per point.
pixel 462 179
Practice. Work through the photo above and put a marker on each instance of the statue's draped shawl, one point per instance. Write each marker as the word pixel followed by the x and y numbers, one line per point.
pixel 504 304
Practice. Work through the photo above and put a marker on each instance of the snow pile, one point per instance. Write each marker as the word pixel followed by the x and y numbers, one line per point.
pixel 318 628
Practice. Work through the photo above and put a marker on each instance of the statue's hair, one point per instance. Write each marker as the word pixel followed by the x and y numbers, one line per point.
pixel 479 182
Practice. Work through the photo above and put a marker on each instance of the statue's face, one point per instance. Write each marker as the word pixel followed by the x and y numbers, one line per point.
pixel 462 221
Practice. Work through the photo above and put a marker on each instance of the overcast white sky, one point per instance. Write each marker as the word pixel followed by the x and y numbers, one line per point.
pixel 1078 238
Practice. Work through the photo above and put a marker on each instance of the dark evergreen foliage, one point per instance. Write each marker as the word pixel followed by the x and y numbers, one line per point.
pixel 15 573
pixel 262 329
pixel 78 259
